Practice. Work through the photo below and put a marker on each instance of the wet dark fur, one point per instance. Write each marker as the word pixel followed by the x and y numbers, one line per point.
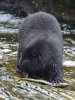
pixel 40 50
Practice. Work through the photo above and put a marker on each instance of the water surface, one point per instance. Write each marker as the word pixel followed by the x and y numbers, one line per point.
pixel 14 88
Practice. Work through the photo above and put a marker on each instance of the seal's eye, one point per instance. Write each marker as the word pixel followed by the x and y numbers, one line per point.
pixel 35 52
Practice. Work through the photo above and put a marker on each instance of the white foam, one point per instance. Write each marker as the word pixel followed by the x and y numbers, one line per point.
pixel 6 51
pixel 5 17
pixel 69 63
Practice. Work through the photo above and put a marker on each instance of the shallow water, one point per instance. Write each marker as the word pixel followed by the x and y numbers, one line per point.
pixel 14 88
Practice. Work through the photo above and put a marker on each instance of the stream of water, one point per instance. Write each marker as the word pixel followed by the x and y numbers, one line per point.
pixel 14 88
